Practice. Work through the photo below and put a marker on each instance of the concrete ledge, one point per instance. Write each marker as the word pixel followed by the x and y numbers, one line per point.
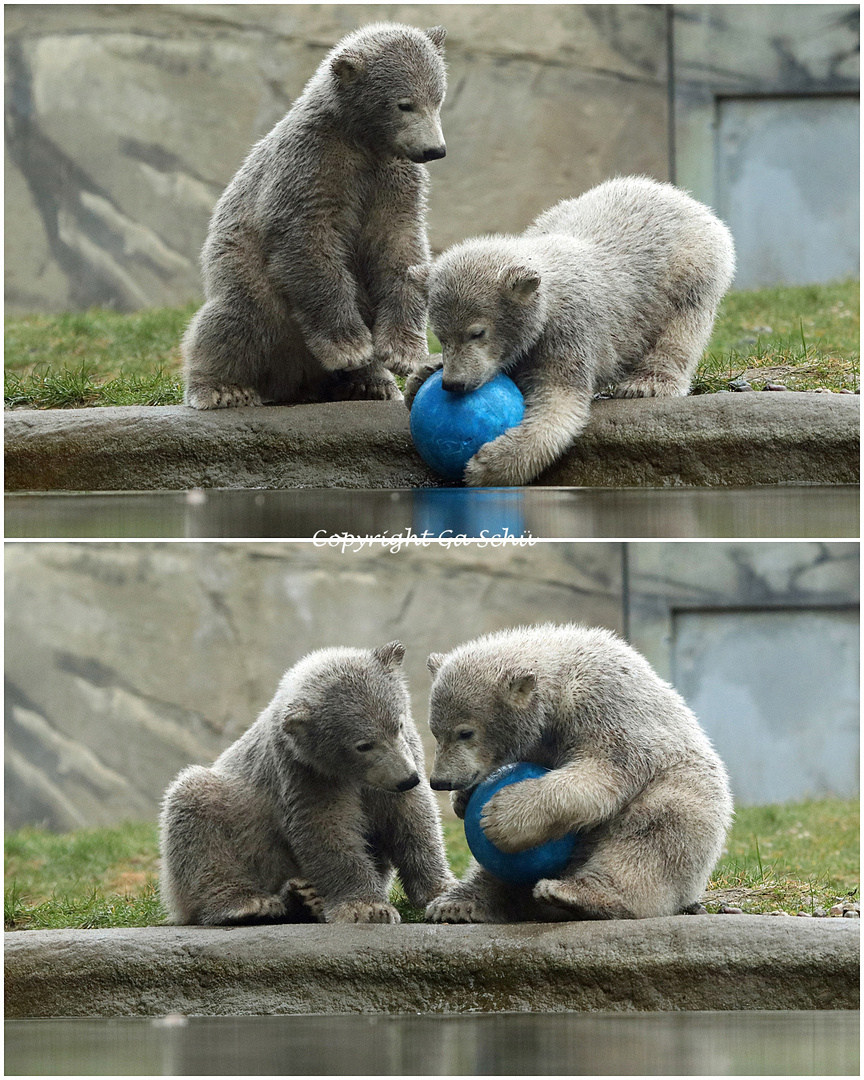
pixel 715 440
pixel 681 963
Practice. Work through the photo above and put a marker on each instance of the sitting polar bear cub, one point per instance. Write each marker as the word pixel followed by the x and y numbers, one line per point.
pixel 618 286
pixel 306 816
pixel 631 770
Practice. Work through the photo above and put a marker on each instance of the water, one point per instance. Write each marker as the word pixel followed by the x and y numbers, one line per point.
pixel 758 512
pixel 489 1044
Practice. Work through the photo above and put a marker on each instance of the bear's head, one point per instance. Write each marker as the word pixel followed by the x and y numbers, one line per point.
pixel 345 714
pixel 486 308
pixel 390 82
pixel 481 717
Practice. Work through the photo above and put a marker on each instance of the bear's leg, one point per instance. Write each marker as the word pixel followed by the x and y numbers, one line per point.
pixel 410 838
pixel 652 860
pixel 584 897
pixel 667 369
pixel 555 414
pixel 218 856
pixel 225 356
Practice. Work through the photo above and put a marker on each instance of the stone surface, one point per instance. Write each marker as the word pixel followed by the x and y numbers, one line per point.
pixel 681 963
pixel 126 123
pixel 715 439
pixel 127 661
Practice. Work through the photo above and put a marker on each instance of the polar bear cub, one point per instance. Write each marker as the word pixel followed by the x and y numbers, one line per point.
pixel 618 286
pixel 631 770
pixel 308 294
pixel 309 812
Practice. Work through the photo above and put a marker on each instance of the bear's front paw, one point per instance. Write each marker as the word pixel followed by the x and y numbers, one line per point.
pixel 444 910
pixel 459 800
pixel 363 911
pixel 400 350
pixel 512 819
pixel 344 354
pixel 372 383
pixel 222 397
pixel 421 373
pixel 497 464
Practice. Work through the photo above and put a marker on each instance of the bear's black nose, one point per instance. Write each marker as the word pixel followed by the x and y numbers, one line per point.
pixel 454 386
pixel 434 152
pixel 440 785
pixel 406 785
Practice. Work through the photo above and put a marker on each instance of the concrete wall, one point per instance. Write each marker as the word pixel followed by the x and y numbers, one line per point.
pixel 125 662
pixel 766 130
pixel 124 123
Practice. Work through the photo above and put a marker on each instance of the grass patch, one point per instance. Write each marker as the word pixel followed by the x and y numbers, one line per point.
pixel 791 857
pixel 805 337
pixel 87 878
pixel 95 357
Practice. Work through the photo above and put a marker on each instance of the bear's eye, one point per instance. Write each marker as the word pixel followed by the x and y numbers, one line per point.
pixel 476 333
pixel 465 733
pixel 364 747
pixel 406 106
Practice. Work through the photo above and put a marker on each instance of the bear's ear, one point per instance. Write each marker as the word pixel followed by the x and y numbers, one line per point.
pixel 294 716
pixel 419 275
pixel 520 687
pixel 436 659
pixel 347 66
pixel 521 283
pixel 436 35
pixel 391 654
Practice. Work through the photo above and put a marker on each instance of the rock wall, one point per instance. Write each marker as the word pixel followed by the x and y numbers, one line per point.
pixel 124 123
pixel 127 661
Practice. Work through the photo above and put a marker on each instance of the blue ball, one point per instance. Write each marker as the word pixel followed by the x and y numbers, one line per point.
pixel 521 867
pixel 448 429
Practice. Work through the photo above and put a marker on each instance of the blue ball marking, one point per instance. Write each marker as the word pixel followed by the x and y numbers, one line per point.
pixel 448 429
pixel 521 867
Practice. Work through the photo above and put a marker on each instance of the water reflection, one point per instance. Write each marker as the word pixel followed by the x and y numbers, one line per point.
pixel 580 1044
pixel 792 511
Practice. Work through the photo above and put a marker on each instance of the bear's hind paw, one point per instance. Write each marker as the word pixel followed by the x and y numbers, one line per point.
pixel 362 911
pixel 307 895
pixel 223 397
pixel 443 910
pixel 254 907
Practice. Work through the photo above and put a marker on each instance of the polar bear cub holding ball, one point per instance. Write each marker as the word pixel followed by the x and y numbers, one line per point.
pixel 618 286
pixel 631 771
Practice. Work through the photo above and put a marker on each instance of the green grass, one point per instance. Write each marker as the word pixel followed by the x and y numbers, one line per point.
pixel 86 878
pixel 95 357
pixel 789 857
pixel 804 337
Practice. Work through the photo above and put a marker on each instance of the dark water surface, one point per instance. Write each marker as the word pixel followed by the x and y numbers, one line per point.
pixel 758 512
pixel 488 1044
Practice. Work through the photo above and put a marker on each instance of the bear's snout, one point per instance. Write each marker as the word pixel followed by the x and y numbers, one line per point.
pixel 455 386
pixel 411 782
pixel 434 153
pixel 438 784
